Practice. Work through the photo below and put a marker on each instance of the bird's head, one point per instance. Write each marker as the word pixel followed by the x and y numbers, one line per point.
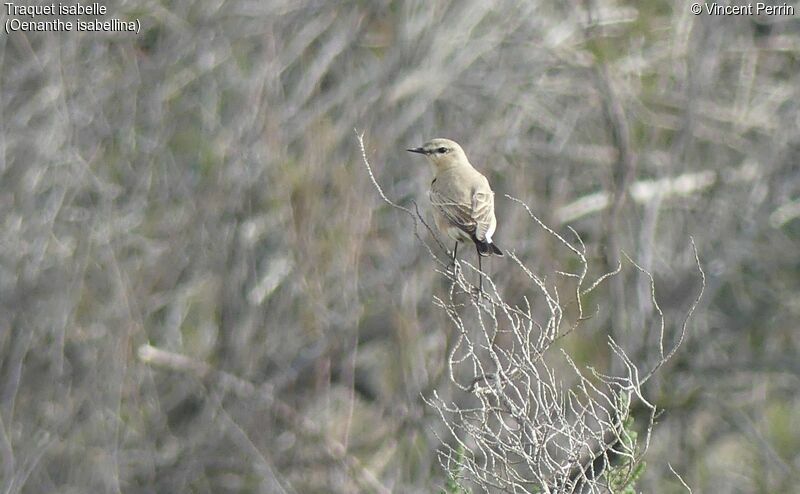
pixel 442 153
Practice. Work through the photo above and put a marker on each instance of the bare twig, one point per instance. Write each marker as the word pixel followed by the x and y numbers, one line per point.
pixel 683 482
pixel 415 215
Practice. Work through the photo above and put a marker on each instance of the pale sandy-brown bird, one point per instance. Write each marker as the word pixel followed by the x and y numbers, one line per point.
pixel 462 200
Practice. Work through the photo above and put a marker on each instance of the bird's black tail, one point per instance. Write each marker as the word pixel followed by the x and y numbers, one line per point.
pixel 486 249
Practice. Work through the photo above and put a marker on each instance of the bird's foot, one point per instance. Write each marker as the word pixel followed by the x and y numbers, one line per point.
pixel 455 268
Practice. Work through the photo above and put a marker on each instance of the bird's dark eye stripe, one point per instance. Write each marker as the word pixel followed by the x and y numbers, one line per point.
pixel 442 150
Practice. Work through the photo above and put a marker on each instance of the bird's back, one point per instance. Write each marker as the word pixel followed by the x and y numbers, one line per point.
pixel 462 198
pixel 459 183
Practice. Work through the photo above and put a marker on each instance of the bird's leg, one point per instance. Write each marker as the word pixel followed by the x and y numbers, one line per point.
pixel 480 272
pixel 455 266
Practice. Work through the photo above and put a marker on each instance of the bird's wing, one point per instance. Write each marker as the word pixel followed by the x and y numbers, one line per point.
pixel 483 213
pixel 457 213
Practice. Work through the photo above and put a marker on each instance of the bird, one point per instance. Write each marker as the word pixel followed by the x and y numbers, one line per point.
pixel 462 199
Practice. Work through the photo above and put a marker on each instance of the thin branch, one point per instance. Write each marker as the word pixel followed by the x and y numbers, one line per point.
pixel 416 217
pixel 683 483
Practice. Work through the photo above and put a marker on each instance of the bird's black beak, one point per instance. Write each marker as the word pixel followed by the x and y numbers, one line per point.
pixel 416 150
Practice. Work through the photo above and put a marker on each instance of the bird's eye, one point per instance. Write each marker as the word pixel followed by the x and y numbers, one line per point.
pixel 442 150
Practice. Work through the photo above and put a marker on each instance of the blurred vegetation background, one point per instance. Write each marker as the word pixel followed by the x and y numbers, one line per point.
pixel 199 188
